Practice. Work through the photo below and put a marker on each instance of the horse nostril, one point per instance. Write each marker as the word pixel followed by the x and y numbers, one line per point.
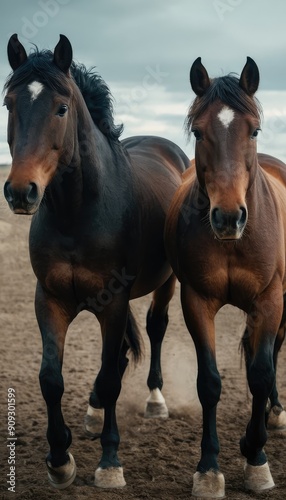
pixel 217 218
pixel 32 193
pixel 243 216
pixel 8 192
pixel 228 223
pixel 239 219
pixel 21 199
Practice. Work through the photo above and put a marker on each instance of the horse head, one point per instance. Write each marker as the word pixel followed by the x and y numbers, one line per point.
pixel 38 98
pixel 225 119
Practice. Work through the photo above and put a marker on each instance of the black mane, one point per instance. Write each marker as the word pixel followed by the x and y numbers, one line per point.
pixel 227 90
pixel 94 90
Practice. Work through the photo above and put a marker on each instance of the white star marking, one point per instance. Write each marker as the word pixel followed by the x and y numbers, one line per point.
pixel 35 88
pixel 226 115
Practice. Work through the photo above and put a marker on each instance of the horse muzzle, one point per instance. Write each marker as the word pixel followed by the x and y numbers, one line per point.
pixel 24 200
pixel 228 225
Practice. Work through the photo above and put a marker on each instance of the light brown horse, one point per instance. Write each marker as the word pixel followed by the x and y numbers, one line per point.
pixel 225 237
pixel 97 234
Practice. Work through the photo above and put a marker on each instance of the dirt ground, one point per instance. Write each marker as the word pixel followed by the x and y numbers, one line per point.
pixel 159 456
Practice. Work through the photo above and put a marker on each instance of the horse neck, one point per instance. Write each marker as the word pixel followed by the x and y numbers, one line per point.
pixel 262 203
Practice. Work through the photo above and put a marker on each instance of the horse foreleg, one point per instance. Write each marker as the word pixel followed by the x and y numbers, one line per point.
pixel 208 481
pixel 157 321
pixel 113 320
pixel 260 375
pixel 93 420
pixel 262 327
pixel 276 415
pixel 53 323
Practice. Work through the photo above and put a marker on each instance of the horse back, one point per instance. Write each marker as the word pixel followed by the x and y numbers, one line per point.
pixel 157 150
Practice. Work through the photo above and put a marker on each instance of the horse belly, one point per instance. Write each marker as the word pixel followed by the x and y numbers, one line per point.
pixel 149 279
pixel 153 268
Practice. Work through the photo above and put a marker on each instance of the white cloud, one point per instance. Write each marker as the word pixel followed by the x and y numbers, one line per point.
pixel 123 39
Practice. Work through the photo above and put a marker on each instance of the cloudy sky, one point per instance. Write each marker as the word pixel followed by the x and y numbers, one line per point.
pixel 144 49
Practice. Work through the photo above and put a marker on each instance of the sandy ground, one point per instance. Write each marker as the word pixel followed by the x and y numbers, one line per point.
pixel 159 457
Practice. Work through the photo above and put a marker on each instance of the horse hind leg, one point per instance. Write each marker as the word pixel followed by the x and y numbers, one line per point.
pixel 276 415
pixel 157 321
pixel 93 420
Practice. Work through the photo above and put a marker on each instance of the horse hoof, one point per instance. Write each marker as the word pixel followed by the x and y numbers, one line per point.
pixel 258 478
pixel 63 476
pixel 93 422
pixel 276 418
pixel 156 406
pixel 112 477
pixel 208 484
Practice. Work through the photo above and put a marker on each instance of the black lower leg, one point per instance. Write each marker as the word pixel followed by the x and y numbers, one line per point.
pixel 261 380
pixel 123 363
pixel 209 390
pixel 252 451
pixel 274 398
pixel 109 440
pixel 58 434
pixel 156 328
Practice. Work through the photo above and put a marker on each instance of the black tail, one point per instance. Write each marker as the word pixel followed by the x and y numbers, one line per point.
pixel 133 337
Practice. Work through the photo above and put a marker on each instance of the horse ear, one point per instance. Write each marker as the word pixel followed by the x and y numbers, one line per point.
pixel 16 52
pixel 63 54
pixel 199 78
pixel 249 78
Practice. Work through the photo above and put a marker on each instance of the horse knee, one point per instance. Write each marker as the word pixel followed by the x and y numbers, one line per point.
pixel 107 388
pixel 261 379
pixel 52 385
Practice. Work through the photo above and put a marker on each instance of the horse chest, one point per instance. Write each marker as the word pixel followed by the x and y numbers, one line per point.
pixel 65 278
pixel 223 275
pixel 69 271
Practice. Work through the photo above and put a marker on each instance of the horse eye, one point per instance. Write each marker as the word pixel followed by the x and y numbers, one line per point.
pixel 62 110
pixel 255 133
pixel 197 134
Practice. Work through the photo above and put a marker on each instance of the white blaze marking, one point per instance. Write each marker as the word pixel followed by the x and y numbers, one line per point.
pixel 35 88
pixel 226 115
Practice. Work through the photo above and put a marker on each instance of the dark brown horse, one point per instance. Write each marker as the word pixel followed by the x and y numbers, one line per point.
pixel 225 236
pixel 96 238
